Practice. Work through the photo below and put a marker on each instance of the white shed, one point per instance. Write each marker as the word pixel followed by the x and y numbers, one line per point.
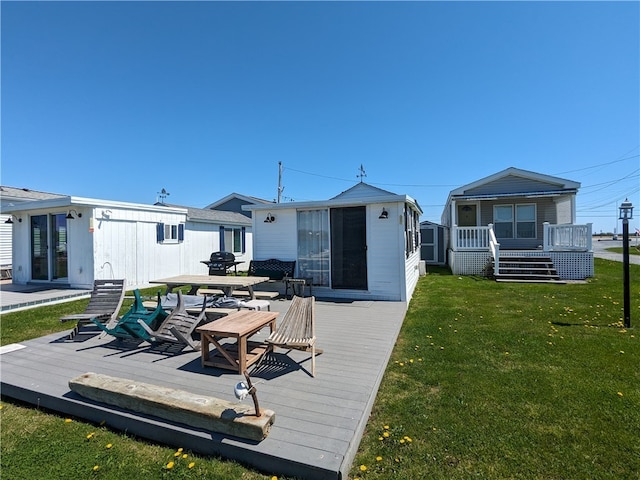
pixel 362 244
pixel 72 241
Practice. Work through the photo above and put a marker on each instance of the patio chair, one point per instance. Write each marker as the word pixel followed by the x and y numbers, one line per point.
pixel 177 328
pixel 104 305
pixel 130 319
pixel 297 329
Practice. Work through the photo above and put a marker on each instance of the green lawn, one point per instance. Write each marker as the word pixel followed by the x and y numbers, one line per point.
pixel 487 380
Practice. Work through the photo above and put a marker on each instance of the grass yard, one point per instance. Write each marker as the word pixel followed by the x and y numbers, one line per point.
pixel 492 380
pixel 487 380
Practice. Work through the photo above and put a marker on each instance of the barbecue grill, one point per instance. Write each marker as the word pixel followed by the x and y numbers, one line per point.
pixel 220 262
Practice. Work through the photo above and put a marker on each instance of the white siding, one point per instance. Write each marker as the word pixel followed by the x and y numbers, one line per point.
pixel 277 239
pixel 385 252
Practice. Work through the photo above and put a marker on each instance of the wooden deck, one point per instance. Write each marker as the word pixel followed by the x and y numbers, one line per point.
pixel 319 421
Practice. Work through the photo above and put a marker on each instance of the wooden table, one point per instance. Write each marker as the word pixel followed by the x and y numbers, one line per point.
pixel 225 283
pixel 240 325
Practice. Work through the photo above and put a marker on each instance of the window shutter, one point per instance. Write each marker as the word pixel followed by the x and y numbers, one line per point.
pixel 181 232
pixel 222 239
pixel 244 234
pixel 160 232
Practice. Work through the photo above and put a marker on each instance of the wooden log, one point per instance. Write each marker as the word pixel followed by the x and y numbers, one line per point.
pixel 175 405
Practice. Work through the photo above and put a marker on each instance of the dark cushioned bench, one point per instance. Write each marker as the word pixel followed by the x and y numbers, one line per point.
pixel 273 268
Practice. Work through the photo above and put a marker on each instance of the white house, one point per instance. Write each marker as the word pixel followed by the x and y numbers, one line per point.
pixel 361 244
pixel 9 197
pixel 517 214
pixel 72 241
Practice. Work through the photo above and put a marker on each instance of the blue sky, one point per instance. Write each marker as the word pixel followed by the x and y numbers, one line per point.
pixel 117 100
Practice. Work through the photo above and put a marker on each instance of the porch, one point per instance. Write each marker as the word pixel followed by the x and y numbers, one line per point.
pixel 476 251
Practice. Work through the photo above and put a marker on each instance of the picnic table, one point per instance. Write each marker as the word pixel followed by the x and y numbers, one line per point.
pixel 227 284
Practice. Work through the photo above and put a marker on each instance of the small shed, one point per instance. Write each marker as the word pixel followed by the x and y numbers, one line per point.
pixel 361 244
pixel 433 246
pixel 72 241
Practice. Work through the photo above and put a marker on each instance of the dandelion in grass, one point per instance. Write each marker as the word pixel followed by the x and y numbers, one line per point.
pixel 402 364
pixel 386 434
pixel 184 455
pixel 274 478
pixel 402 440
pixel 380 438
pixel 96 468
pixel 169 465
pixel 109 445
pixel 620 394
pixel 363 468
pixel 408 439
pixel 378 458
pixel 193 464
pixel 91 435
pixel 386 427
pixel 67 420
pixel 177 454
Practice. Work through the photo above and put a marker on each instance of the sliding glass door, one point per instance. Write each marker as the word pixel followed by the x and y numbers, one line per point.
pixel 49 247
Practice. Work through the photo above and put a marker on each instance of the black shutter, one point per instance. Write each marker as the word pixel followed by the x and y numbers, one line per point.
pixel 160 232
pixel 222 239
pixel 181 232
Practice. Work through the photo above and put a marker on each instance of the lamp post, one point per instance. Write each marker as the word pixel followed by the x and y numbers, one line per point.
pixel 626 214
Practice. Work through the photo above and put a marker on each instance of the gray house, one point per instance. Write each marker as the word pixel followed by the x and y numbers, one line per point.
pixel 517 214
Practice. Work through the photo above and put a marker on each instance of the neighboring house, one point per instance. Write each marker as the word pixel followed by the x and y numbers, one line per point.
pixel 9 197
pixel 234 203
pixel 361 244
pixel 517 213
pixel 72 241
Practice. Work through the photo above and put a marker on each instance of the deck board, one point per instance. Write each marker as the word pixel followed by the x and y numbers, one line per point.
pixel 319 421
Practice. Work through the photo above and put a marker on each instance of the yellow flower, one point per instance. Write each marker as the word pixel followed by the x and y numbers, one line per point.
pixel 380 438
pixel 193 464
pixel 378 458
pixel 170 465
pixel 386 427
pixel 180 449
pixel 408 439
pixel 177 454
pixel 402 440
pixel 363 468
pixel 90 436
pixel 402 364
pixel 620 394
pixel 109 445
pixel 96 468
pixel 274 478
pixel 67 420
pixel 184 455
pixel 385 434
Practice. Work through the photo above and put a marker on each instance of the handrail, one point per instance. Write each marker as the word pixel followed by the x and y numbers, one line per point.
pixel 469 238
pixel 567 237
pixel 494 247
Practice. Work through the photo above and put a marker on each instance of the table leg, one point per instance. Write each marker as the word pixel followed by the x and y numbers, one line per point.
pixel 204 348
pixel 242 354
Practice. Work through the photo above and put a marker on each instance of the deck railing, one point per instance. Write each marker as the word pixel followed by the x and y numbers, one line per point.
pixel 494 248
pixel 567 238
pixel 470 238
pixel 573 238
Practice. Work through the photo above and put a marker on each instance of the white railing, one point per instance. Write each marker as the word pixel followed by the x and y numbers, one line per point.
pixel 494 248
pixel 567 238
pixel 470 238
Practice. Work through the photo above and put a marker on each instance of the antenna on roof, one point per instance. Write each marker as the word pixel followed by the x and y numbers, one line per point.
pixel 162 194
pixel 362 173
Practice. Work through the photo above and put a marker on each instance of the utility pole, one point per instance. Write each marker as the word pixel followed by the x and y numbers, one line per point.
pixel 280 187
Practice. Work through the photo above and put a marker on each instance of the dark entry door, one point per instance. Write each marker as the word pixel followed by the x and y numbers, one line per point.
pixel 349 248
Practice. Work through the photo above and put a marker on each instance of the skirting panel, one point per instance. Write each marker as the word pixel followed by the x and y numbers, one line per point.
pixel 468 263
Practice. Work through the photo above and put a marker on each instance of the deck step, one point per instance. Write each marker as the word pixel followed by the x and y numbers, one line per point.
pixel 527 269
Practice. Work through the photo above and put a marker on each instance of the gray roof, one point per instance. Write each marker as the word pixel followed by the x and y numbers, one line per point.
pixel 218 216
pixel 13 194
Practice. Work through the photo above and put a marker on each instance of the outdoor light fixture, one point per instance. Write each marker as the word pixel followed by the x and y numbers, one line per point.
pixel 242 390
pixel 384 215
pixel 11 217
pixel 626 214
pixel 70 215
pixel 270 218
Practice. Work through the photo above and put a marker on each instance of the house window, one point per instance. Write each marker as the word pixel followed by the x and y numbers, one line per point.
pixel 411 230
pixel 520 225
pixel 503 221
pixel 233 239
pixel 169 232
pixel 526 221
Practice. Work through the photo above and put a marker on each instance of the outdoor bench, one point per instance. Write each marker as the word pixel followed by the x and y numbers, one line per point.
pixel 273 268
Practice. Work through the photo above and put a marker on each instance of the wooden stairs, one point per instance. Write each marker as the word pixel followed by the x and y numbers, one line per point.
pixel 526 269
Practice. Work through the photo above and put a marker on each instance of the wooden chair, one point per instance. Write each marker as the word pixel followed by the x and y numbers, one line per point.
pixel 297 329
pixel 104 305
pixel 177 328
